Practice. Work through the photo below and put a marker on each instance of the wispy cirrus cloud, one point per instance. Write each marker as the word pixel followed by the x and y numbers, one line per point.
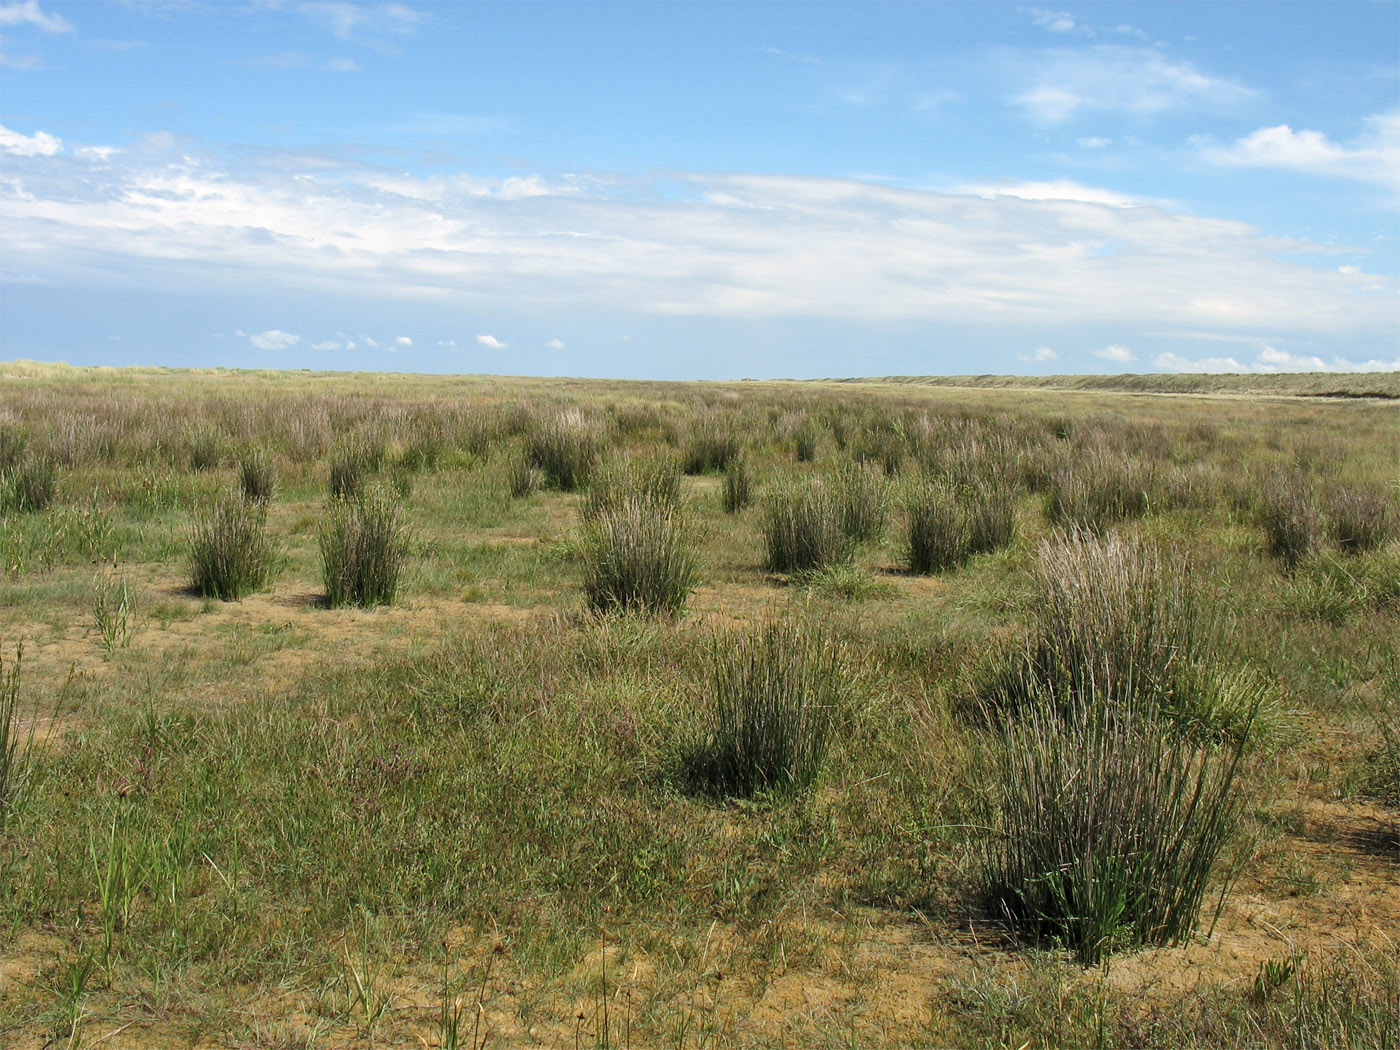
pixel 1059 85
pixel 28 12
pixel 350 21
pixel 1374 156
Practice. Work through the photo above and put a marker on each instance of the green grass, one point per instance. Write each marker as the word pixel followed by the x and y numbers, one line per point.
pixel 765 822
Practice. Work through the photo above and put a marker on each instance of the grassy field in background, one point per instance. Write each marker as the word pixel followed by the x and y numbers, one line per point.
pixel 520 804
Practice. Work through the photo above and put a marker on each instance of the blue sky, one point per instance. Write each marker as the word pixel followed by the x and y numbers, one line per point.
pixel 688 190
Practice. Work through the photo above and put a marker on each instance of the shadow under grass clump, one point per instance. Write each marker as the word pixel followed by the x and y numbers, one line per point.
pixel 776 695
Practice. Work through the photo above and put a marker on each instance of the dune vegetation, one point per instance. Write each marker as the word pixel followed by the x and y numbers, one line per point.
pixel 396 710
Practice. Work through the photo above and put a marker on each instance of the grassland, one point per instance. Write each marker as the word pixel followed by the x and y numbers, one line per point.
pixel 501 810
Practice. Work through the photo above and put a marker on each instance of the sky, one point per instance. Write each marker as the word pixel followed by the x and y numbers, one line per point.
pixel 701 190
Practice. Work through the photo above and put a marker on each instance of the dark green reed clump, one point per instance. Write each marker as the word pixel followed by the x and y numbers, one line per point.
pixel 1108 821
pixel 804 530
pixel 1113 617
pixel 634 543
pixel 364 547
pixel 257 474
pixel 230 553
pixel 1288 513
pixel 949 523
pixel 711 445
pixel 28 484
pixel 1361 519
pixel 776 694
pixel 863 495
pixel 937 529
pixel 565 447
pixel 737 491
pixel 1098 487
pixel 353 460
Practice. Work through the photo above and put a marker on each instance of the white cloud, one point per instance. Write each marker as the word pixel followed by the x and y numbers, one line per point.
pixel 1115 78
pixel 1271 359
pixel 28 13
pixel 555 344
pixel 403 340
pixel 1055 21
pixel 273 339
pixel 1121 354
pixel 447 344
pixel 726 246
pixel 39 144
pixel 352 20
pixel 1040 353
pixel 1373 157
pixel 333 344
pixel 340 65
pixel 491 342
pixel 1062 190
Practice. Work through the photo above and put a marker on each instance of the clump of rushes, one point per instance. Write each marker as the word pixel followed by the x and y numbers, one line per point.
pixel 776 695
pixel 805 440
pixel 711 445
pixel 803 530
pixel 1113 617
pixel 28 484
pixel 635 552
pixel 864 497
pixel 353 460
pixel 1108 822
pixel 937 529
pixel 1291 522
pixel 565 448
pixel 230 553
pixel 991 517
pixel 656 481
pixel 257 475
pixel 523 478
pixel 737 492
pixel 364 546
pixel 206 450
pixel 1098 488
pixel 1362 519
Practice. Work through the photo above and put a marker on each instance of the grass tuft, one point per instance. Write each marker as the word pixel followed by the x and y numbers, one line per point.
pixel 1292 525
pixel 737 491
pixel 776 694
pixel 28 485
pixel 634 543
pixel 364 546
pixel 804 530
pixel 1361 519
pixel 1109 821
pixel 257 475
pixel 230 554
